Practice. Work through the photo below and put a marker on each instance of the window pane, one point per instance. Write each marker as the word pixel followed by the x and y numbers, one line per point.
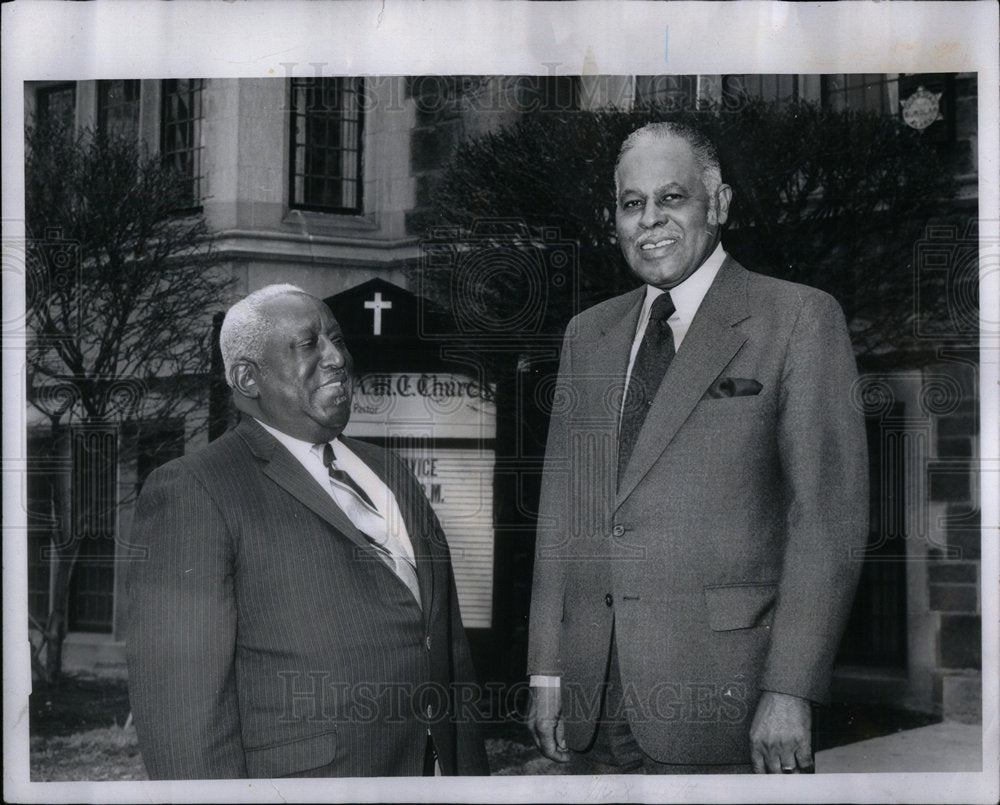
pixel 180 132
pixel 118 108
pixel 43 470
pixel 327 127
pixel 873 92
pixel 739 88
pixel 94 516
pixel 672 91
pixel 57 105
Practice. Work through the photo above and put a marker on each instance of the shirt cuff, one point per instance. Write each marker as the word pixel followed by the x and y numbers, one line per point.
pixel 543 681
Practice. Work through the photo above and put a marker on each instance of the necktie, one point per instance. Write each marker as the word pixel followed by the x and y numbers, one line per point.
pixel 651 362
pixel 358 506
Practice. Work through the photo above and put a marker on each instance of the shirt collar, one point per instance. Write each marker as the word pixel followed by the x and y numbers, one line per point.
pixel 303 451
pixel 687 296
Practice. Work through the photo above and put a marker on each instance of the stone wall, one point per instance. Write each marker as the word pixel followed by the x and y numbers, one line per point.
pixel 953 572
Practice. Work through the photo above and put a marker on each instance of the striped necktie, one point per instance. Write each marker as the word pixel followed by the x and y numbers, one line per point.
pixel 358 506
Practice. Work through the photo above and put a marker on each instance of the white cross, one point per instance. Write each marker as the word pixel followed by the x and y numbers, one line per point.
pixel 377 306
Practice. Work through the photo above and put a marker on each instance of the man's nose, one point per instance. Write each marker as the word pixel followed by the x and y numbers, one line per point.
pixel 333 354
pixel 652 215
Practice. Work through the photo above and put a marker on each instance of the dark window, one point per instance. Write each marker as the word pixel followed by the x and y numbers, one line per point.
pixel 180 132
pixel 118 108
pixel 42 524
pixel 874 92
pixel 95 511
pixel 555 93
pixel 327 126
pixel 780 88
pixel 94 517
pixel 888 94
pixel 56 106
pixel 671 91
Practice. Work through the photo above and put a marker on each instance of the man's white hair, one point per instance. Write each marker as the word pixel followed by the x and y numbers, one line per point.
pixel 244 329
pixel 705 153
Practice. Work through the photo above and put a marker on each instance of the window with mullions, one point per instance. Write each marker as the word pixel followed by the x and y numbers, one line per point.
pixel 118 108
pixel 180 132
pixel 875 92
pixel 327 126
pixel 741 87
pixel 57 105
pixel 671 91
pixel 890 93
pixel 554 93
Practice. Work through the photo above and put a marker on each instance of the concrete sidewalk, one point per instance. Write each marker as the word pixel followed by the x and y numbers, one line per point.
pixel 948 746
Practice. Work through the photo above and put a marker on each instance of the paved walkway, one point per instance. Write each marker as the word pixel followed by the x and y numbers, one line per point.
pixel 948 746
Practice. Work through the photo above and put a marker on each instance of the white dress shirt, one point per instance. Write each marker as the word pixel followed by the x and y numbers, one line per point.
pixel 687 297
pixel 363 475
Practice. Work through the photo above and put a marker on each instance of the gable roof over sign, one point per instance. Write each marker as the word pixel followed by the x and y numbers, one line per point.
pixel 389 328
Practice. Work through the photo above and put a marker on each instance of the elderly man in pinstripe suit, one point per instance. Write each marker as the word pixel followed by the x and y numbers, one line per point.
pixel 296 612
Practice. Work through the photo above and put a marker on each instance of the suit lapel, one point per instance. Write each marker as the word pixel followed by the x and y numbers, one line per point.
pixel 710 344
pixel 613 347
pixel 286 471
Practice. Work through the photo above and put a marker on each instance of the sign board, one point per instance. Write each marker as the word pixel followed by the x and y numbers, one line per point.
pixel 443 425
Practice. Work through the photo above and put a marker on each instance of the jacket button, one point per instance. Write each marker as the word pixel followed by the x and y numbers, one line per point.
pixel 608 599
pixel 618 531
pixel 427 642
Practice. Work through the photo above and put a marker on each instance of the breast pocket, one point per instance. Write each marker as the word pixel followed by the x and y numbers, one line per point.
pixel 293 757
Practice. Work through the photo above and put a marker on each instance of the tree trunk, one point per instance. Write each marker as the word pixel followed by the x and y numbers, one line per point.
pixel 66 546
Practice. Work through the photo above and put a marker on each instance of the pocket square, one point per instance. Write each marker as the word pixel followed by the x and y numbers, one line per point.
pixel 733 387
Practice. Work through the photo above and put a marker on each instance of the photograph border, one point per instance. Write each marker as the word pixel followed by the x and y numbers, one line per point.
pixel 280 38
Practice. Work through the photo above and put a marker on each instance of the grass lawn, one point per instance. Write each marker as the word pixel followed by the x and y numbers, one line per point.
pixel 106 753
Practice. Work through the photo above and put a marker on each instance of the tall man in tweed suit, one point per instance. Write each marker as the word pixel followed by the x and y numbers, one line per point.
pixel 296 612
pixel 703 490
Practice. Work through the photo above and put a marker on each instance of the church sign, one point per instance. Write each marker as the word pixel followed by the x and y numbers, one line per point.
pixel 439 419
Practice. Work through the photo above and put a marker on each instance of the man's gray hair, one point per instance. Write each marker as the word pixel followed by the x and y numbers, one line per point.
pixel 705 152
pixel 244 329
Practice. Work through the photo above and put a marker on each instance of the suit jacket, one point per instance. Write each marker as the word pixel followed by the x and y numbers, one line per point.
pixel 266 638
pixel 723 559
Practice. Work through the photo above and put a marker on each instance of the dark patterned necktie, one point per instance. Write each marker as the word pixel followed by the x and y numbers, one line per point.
pixel 651 362
pixel 342 477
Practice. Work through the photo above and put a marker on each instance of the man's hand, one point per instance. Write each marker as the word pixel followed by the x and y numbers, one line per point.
pixel 780 737
pixel 546 724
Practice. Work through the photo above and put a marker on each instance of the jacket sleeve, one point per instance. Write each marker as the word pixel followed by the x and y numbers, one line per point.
pixel 549 580
pixel 181 632
pixel 822 444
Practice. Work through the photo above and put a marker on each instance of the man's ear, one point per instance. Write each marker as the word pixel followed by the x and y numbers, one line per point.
pixel 244 377
pixel 724 195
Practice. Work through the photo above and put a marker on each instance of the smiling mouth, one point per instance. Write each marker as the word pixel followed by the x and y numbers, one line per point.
pixel 648 247
pixel 338 387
